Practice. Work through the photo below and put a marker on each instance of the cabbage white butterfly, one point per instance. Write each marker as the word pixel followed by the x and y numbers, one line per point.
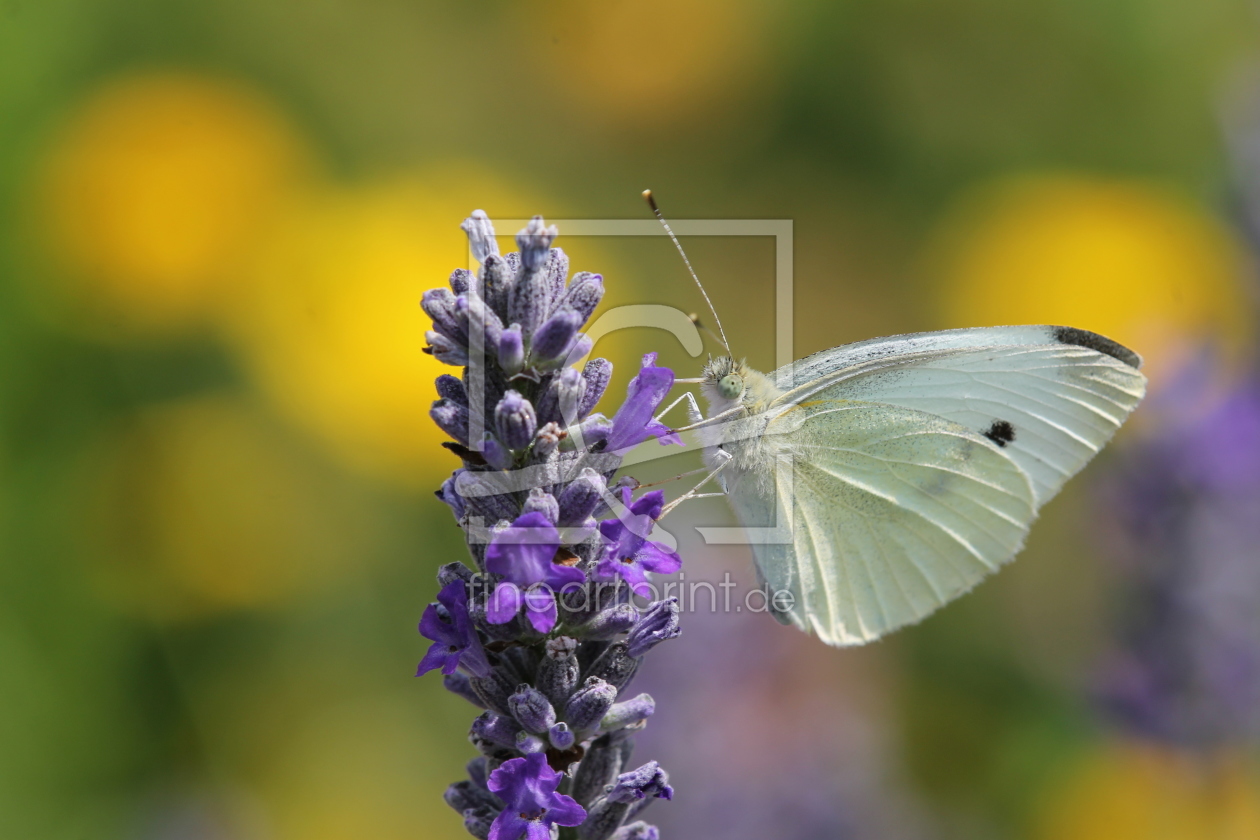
pixel 906 468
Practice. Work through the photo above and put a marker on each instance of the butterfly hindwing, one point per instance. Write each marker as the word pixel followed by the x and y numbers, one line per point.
pixel 892 513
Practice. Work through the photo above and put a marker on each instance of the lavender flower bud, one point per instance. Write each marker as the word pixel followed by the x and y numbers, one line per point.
pixel 477 319
pixel 555 273
pixel 512 350
pixel 580 498
pixel 628 713
pixel 451 496
pixel 646 782
pixel 554 337
pixel 451 572
pixel 658 624
pixel 541 501
pixel 637 831
pixel 585 292
pixel 462 280
pixel 496 454
pixel 445 350
pixel 548 440
pixel 611 622
pixel 526 743
pixel 532 709
pixel 608 813
pixel 478 822
pixel 452 418
pixel 599 768
pixel 466 794
pixel 494 691
pixel 561 736
pixel 534 243
pixel 458 684
pixel 480 235
pixel 478 771
pixel 515 421
pixel 494 729
pixel 558 672
pixel 587 707
pixel 592 430
pixel 597 373
pixel 451 388
pixel 496 283
pixel 439 304
pixel 614 666
pixel 559 403
pixel 578 348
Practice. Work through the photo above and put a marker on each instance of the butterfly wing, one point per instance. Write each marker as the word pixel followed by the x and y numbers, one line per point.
pixel 891 512
pixel 1050 397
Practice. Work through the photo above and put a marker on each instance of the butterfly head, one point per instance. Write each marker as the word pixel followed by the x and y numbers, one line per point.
pixel 727 383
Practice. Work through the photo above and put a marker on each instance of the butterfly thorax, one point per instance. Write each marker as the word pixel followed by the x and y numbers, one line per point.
pixel 742 434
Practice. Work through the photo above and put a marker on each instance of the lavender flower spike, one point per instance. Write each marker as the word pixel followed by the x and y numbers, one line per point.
pixel 537 467
pixel 527 787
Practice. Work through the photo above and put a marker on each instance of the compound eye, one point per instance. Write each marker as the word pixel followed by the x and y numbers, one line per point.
pixel 731 386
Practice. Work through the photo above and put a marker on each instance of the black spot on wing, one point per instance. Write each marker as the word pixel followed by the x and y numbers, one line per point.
pixel 1097 343
pixel 1001 432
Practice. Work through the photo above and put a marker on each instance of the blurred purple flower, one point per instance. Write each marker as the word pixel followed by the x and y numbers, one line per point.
pixel 524 555
pixel 634 422
pixel 455 642
pixel 1185 663
pixel 629 555
pixel 527 787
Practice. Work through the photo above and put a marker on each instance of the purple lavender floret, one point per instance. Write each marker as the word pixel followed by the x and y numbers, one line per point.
pixel 542 634
pixel 527 787
pixel 633 423
pixel 455 640
pixel 629 554
pixel 523 556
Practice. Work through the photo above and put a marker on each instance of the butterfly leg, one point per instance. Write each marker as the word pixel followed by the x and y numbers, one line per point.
pixel 675 478
pixel 700 421
pixel 693 409
pixel 694 493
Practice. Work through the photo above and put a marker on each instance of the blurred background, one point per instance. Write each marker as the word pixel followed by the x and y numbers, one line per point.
pixel 216 222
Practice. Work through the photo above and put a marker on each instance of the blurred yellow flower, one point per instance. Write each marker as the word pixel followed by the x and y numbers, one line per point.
pixel 202 505
pixel 155 187
pixel 651 60
pixel 1125 259
pixel 1145 792
pixel 332 327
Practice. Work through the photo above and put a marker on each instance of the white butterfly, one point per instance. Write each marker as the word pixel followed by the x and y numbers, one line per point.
pixel 907 468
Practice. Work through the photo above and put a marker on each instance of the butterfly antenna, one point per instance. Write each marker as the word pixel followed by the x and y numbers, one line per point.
pixel 647 196
pixel 701 325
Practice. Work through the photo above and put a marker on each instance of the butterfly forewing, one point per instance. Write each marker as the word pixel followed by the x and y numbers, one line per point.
pixel 1050 406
